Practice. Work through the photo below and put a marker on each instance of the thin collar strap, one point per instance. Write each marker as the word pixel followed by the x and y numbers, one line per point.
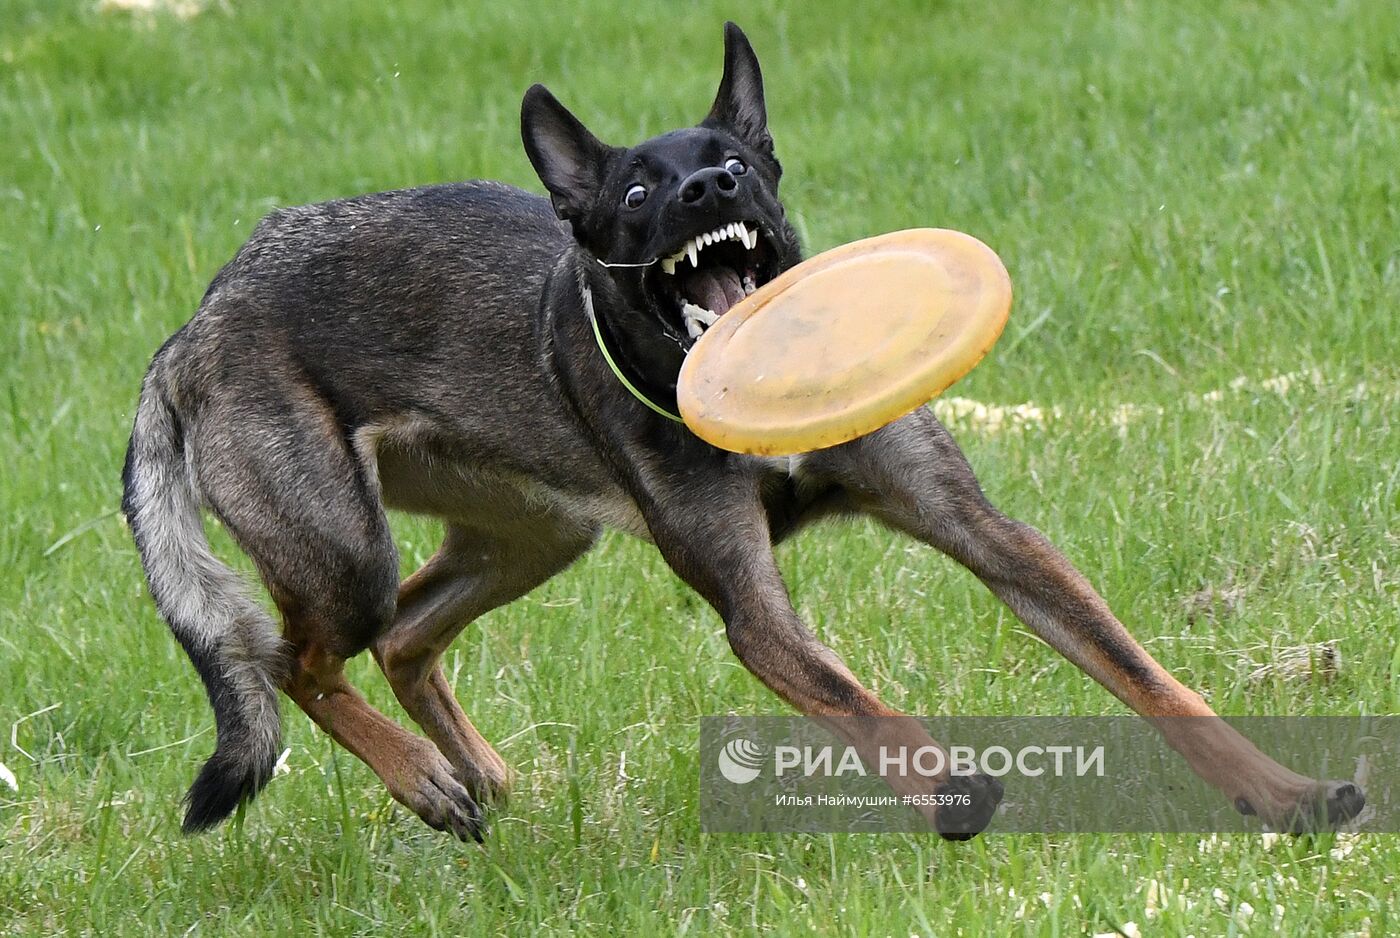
pixel 611 360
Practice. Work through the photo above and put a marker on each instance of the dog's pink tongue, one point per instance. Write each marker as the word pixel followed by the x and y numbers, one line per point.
pixel 715 288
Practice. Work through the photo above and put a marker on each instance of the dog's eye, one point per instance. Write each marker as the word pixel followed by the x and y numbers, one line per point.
pixel 635 197
pixel 735 166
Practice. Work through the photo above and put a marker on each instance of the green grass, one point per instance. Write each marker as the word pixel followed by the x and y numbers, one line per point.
pixel 1184 193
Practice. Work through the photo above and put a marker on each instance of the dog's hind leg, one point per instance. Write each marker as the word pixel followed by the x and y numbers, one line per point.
pixel 471 574
pixel 281 476
pixel 411 767
pixel 912 476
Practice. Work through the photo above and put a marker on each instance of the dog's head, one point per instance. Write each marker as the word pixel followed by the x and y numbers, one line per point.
pixel 701 203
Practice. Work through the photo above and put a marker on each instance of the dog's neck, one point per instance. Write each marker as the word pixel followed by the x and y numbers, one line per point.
pixel 647 355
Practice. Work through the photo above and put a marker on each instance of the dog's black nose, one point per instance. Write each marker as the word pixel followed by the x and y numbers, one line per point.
pixel 713 182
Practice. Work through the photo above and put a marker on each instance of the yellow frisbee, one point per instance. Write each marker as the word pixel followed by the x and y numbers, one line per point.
pixel 845 342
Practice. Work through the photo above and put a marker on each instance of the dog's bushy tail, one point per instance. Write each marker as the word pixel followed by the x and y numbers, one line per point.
pixel 232 642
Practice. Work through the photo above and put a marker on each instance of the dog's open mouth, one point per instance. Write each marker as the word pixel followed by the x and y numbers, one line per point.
pixel 710 273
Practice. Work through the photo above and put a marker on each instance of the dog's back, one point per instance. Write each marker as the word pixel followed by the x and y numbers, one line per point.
pixel 443 280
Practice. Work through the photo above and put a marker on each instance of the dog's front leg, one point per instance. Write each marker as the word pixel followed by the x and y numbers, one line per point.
pixel 714 533
pixel 912 476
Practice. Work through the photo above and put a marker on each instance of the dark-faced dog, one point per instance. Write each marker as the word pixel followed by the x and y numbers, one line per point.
pixel 445 350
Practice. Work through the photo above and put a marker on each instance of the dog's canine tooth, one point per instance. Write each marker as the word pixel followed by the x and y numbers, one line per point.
pixel 734 231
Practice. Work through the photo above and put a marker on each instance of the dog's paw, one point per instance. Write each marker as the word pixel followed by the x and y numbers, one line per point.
pixel 442 802
pixel 1324 807
pixel 971 800
pixel 489 785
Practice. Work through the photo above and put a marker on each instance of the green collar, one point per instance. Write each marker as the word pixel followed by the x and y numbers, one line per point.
pixel 612 362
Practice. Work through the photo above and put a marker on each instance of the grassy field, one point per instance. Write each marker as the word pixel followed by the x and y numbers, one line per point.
pixel 1193 200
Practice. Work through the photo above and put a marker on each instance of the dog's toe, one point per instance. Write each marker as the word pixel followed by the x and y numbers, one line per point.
pixel 1344 802
pixel 444 804
pixel 1326 807
pixel 968 806
pixel 486 788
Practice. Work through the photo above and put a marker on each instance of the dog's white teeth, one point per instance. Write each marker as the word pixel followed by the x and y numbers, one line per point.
pixel 748 285
pixel 668 265
pixel 734 231
pixel 697 319
pixel 699 313
pixel 719 234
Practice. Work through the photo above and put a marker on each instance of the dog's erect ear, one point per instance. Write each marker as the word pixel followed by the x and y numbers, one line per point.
pixel 739 103
pixel 570 161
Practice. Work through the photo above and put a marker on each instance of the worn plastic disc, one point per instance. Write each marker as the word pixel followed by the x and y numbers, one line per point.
pixel 845 342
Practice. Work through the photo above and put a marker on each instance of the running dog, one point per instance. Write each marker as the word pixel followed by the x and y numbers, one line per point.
pixel 443 350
